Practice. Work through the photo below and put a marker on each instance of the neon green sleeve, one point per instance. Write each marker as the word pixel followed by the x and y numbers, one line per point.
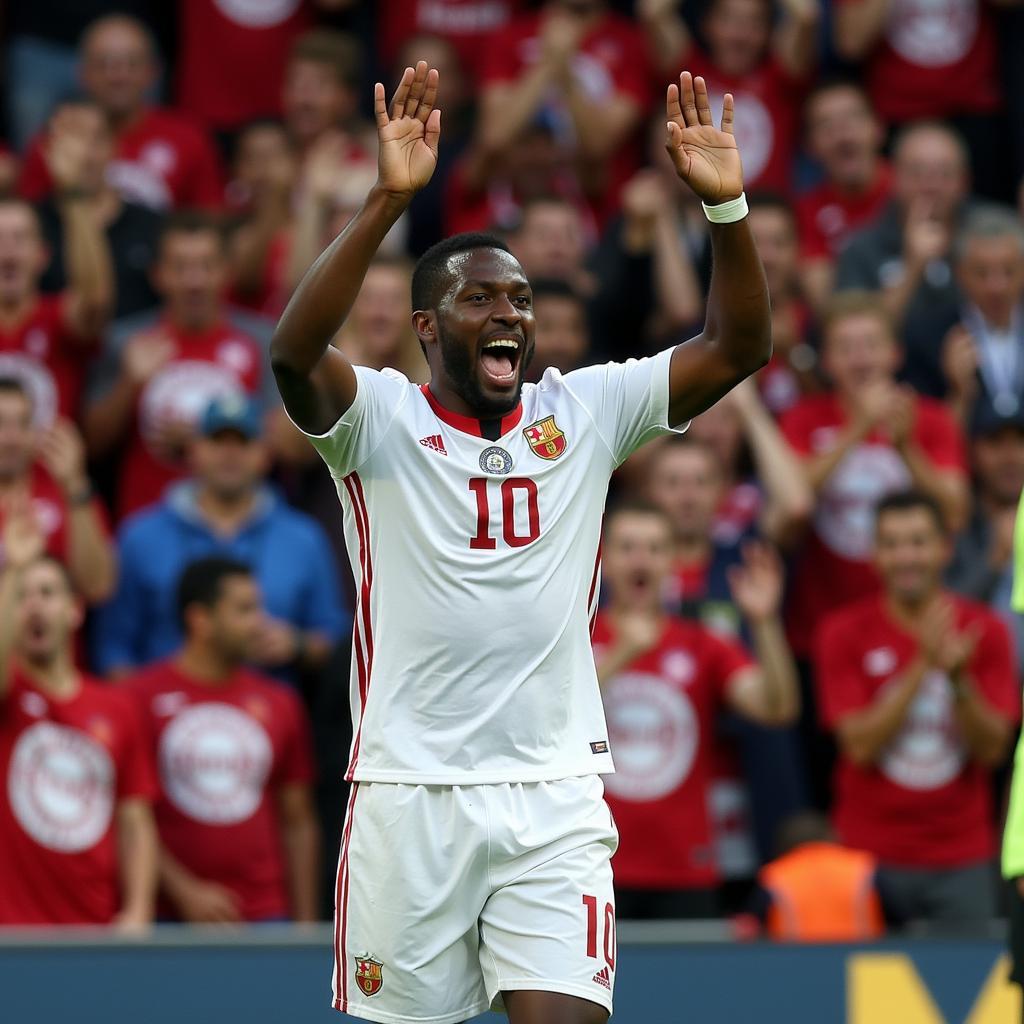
pixel 1017 600
pixel 1013 836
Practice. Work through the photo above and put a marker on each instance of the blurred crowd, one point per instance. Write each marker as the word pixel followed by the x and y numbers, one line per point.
pixel 806 650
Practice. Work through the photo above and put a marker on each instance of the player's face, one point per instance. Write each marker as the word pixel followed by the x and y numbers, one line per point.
pixel 859 350
pixel 17 438
pixel 998 463
pixel 47 613
pixel 22 253
pixel 562 339
pixel 236 619
pixel 485 331
pixel 910 553
pixel 191 274
pixel 990 272
pixel 227 464
pixel 775 237
pixel 843 133
pixel 687 485
pixel 929 169
pixel 737 32
pixel 636 559
pixel 118 68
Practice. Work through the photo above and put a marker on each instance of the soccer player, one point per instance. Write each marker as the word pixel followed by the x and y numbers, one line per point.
pixel 474 867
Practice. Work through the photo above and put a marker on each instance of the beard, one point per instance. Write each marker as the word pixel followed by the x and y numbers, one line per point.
pixel 460 369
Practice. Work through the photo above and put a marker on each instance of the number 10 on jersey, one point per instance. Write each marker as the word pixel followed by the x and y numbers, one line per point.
pixel 514 491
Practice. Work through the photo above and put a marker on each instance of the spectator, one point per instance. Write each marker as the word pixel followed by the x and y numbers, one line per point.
pixel 817 890
pixel 920 689
pixel 918 55
pixel 764 68
pixel 584 69
pixel 550 240
pixel 982 567
pixel 169 373
pixel 80 141
pixel 663 680
pixel 45 340
pixel 560 328
pixel 791 370
pixel 161 158
pixel 226 508
pixel 77 842
pixel 844 135
pixel 905 253
pixel 983 355
pixel 239 840
pixel 44 471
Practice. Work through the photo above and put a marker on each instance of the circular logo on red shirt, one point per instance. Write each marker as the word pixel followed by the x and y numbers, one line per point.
pixel 35 377
pixel 214 763
pixel 655 734
pixel 257 13
pixel 61 787
pixel 932 33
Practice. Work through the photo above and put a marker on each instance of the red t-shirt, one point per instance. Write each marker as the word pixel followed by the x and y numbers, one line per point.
pixel 215 362
pixel 767 119
pixel 611 61
pixel 222 752
pixel 925 802
pixel 827 217
pixel 162 160
pixel 65 766
pixel 49 359
pixel 466 24
pixel 251 40
pixel 834 567
pixel 927 50
pixel 660 714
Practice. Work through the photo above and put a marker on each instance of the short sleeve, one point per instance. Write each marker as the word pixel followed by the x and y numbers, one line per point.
pixel 727 660
pixel 295 765
pixel 628 402
pixel 794 426
pixel 992 669
pixel 354 438
pixel 1017 600
pixel 940 437
pixel 841 686
pixel 136 771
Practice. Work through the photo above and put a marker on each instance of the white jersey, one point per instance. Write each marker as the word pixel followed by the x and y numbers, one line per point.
pixel 476 564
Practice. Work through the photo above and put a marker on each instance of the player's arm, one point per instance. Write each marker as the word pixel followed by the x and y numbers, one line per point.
pixel 796 37
pixel 769 692
pixel 317 383
pixel 300 838
pixel 857 25
pixel 668 36
pixel 737 336
pixel 137 863
pixel 23 543
pixel 196 899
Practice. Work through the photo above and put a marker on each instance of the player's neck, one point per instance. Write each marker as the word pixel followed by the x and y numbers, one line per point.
pixel 203 665
pixel 57 678
pixel 908 613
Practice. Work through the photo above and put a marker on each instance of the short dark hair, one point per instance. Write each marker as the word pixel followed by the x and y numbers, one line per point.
pixel 202 582
pixel 765 200
pixel 190 222
pixel 636 507
pixel 339 51
pixel 909 501
pixel 430 275
pixel 834 83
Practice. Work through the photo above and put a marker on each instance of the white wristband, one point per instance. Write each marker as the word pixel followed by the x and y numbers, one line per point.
pixel 728 212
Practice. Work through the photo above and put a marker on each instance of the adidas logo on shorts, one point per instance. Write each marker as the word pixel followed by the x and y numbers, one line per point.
pixel 602 978
pixel 435 443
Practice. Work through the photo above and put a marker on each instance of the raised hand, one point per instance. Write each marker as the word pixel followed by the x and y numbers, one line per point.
pixel 23 540
pixel 62 451
pixel 756 584
pixel 408 137
pixel 705 157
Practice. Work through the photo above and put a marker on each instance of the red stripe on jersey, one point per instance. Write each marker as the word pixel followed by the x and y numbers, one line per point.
pixel 469 424
pixel 591 606
pixel 341 909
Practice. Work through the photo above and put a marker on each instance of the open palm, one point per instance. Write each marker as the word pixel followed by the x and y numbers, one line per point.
pixel 408 137
pixel 705 157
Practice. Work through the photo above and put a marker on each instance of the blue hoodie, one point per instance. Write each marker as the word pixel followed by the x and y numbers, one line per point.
pixel 288 551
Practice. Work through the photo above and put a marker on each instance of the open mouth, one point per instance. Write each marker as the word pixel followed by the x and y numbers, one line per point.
pixel 499 359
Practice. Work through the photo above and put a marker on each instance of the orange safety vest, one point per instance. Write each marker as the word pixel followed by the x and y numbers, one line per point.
pixel 822 892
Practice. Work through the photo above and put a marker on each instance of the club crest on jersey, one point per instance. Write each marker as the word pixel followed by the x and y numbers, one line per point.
pixel 369 975
pixel 546 440
pixel 496 460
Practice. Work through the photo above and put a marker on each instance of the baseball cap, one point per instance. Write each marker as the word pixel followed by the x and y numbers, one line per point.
pixel 231 412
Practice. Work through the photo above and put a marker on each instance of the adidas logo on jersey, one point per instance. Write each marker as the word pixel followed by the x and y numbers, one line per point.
pixel 435 443
pixel 602 978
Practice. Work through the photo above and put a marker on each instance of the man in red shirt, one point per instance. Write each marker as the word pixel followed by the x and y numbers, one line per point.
pixel 239 838
pixel 170 373
pixel 865 438
pixel 920 689
pixel 77 841
pixel 585 71
pixel 663 680
pixel 44 472
pixel 764 68
pixel 162 158
pixel 845 136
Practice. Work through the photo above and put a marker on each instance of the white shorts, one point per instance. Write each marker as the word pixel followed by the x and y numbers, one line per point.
pixel 449 895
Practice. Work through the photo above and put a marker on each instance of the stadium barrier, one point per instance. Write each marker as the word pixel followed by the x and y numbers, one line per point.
pixel 668 973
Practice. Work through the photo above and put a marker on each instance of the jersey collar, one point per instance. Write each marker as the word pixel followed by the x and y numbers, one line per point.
pixel 470 424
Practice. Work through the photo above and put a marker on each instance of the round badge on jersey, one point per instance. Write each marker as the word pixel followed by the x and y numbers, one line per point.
pixel 496 460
